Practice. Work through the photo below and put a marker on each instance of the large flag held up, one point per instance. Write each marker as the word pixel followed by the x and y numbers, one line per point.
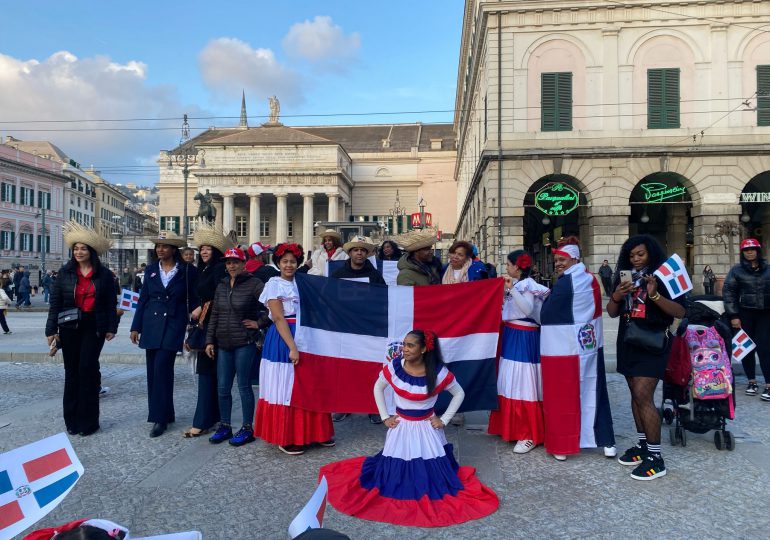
pixel 346 330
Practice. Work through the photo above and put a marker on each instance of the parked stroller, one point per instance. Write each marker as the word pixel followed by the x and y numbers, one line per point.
pixel 698 386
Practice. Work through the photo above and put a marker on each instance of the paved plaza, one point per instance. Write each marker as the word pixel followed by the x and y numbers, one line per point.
pixel 172 484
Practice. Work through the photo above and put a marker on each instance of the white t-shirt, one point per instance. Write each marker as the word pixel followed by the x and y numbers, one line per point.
pixel 286 291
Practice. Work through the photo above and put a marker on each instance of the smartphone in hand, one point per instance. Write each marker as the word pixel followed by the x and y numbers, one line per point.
pixel 625 276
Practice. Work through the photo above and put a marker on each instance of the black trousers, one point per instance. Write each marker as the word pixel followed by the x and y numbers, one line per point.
pixel 207 407
pixel 756 323
pixel 607 284
pixel 160 385
pixel 3 322
pixel 81 348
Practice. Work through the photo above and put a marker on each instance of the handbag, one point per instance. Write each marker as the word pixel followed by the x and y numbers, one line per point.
pixel 196 331
pixel 646 339
pixel 69 318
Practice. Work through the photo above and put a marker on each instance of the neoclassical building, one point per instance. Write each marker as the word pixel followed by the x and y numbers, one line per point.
pixel 274 183
pixel 606 119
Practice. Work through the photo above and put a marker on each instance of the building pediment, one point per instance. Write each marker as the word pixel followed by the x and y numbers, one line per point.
pixel 265 136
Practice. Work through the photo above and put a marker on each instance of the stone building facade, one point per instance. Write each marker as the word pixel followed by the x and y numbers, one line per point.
pixel 606 119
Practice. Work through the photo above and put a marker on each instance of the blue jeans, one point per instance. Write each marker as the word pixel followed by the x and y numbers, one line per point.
pixel 46 292
pixel 229 364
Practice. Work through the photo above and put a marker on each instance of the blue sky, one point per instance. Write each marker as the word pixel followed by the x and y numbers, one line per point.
pixel 92 60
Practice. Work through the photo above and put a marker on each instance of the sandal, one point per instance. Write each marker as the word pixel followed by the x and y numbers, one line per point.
pixel 194 432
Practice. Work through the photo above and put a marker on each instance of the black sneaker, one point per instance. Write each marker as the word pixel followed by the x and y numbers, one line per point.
pixel 375 419
pixel 339 416
pixel 752 389
pixel 633 456
pixel 766 394
pixel 652 467
pixel 292 449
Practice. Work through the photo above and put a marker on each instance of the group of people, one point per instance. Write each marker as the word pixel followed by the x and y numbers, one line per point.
pixel 243 306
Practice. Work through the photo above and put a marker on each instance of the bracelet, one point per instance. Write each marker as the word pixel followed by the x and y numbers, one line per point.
pixel 656 297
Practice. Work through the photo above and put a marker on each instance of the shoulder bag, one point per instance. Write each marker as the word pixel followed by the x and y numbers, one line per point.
pixel 645 338
pixel 69 318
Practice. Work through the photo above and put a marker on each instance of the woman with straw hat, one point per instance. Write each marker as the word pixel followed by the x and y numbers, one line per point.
pixel 330 250
pixel 81 316
pixel 167 297
pixel 212 245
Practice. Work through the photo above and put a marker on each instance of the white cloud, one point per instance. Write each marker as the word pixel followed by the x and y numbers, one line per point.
pixel 321 42
pixel 229 65
pixel 65 87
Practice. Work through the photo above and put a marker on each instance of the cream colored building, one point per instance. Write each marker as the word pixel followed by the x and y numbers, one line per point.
pixel 606 119
pixel 274 183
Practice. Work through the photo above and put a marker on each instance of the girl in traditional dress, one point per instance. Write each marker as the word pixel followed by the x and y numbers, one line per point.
pixel 415 479
pixel 519 416
pixel 276 420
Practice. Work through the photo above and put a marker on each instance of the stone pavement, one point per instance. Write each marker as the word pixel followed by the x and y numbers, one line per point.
pixel 171 484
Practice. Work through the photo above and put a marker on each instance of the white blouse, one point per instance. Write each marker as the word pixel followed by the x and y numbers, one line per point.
pixel 286 291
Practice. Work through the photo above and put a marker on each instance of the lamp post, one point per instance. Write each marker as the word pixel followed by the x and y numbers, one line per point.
pixel 396 213
pixel 185 155
pixel 422 205
pixel 120 235
pixel 43 239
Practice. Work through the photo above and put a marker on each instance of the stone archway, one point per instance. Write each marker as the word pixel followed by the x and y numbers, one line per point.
pixel 755 209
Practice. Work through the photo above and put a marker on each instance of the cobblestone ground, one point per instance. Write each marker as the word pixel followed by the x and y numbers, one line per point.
pixel 170 484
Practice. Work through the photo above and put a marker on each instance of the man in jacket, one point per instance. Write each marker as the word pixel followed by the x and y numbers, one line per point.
pixel 358 267
pixel 24 289
pixel 605 273
pixel 418 266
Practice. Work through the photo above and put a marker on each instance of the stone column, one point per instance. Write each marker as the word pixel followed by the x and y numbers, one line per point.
pixel 220 213
pixel 254 218
pixel 228 213
pixel 281 218
pixel 706 249
pixel 610 78
pixel 307 221
pixel 333 206
pixel 607 230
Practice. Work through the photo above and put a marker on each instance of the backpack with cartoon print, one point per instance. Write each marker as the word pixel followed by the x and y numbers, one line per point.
pixel 712 374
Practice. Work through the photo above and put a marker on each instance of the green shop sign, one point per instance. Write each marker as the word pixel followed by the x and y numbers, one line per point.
pixel 657 192
pixel 556 199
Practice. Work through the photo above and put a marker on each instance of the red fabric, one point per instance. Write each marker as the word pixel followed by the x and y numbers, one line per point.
pixel 347 495
pixel 597 297
pixel 418 397
pixel 678 368
pixel 85 292
pixel 561 403
pixel 316 384
pixel 10 513
pixel 330 252
pixel 252 265
pixel 286 425
pixel 430 308
pixel 48 534
pixel 47 464
pixel 518 420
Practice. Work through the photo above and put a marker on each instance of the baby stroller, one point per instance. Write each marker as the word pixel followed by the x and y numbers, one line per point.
pixel 698 386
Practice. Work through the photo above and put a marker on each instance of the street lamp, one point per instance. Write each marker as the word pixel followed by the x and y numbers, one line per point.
pixel 122 235
pixel 422 205
pixel 184 156
pixel 43 238
pixel 396 213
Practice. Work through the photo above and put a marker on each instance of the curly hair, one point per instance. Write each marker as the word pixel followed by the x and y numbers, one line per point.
pixel 432 358
pixel 297 248
pixel 513 256
pixel 396 251
pixel 462 244
pixel 655 255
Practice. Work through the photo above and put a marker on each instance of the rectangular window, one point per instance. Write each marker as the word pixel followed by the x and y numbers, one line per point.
pixel 556 101
pixel 8 192
pixel 264 226
pixel 290 226
pixel 242 226
pixel 26 196
pixel 170 223
pixel 26 242
pixel 47 243
pixel 663 98
pixel 763 95
pixel 44 200
pixel 6 240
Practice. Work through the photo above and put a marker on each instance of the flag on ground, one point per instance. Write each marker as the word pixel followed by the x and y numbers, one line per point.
pixel 742 345
pixel 128 300
pixel 33 481
pixel 674 276
pixel 346 331
pixel 312 515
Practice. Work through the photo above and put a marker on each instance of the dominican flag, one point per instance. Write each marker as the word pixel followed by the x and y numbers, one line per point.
pixel 312 515
pixel 674 276
pixel 389 270
pixel 33 481
pixel 128 300
pixel 346 330
pixel 742 345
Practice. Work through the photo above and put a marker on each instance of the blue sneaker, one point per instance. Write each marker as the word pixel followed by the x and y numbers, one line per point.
pixel 223 433
pixel 245 435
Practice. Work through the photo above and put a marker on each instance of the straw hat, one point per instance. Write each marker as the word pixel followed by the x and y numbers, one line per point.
pixel 75 233
pixel 416 239
pixel 210 235
pixel 332 233
pixel 360 242
pixel 170 238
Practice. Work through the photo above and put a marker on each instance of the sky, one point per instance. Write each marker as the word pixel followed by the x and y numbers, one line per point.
pixel 66 67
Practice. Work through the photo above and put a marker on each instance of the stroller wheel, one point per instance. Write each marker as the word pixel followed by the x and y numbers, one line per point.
pixel 668 416
pixel 680 435
pixel 672 436
pixel 729 441
pixel 719 439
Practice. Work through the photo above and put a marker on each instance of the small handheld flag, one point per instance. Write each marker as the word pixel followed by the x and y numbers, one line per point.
pixel 312 515
pixel 742 345
pixel 674 276
pixel 128 300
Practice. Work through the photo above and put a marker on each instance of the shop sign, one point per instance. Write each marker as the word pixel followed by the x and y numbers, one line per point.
pixel 416 219
pixel 657 192
pixel 556 199
pixel 755 197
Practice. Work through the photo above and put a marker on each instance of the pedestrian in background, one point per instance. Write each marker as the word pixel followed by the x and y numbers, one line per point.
pixel 167 297
pixel 708 279
pixel 746 296
pixel 5 303
pixel 188 255
pixel 23 290
pixel 84 292
pixel 605 274
pixel 46 284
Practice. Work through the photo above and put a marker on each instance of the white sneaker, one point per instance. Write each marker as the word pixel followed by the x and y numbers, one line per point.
pixel 104 390
pixel 522 447
pixel 610 451
pixel 560 457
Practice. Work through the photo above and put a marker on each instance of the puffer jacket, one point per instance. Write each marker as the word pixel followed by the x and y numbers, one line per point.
pixel 231 305
pixel 412 273
pixel 747 288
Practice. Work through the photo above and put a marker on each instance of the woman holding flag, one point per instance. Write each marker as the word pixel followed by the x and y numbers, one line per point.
pixel 276 420
pixel 643 302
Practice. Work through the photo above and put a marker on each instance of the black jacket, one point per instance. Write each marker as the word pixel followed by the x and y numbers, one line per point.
pixel 368 271
pixel 746 288
pixel 231 305
pixel 63 297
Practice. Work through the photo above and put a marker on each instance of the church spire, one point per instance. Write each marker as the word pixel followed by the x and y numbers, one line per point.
pixel 244 117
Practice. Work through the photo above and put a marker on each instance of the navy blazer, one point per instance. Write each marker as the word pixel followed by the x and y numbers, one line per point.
pixel 162 312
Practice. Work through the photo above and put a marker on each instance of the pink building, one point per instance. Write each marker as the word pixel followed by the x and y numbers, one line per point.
pixel 31 191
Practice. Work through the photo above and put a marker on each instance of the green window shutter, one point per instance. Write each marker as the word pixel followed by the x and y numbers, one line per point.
pixel 13 240
pixel 13 193
pixel 763 95
pixel 663 98
pixel 556 101
pixel 177 222
pixel 162 223
pixel 2 192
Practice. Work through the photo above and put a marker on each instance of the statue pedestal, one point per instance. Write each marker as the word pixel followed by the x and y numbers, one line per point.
pixel 272 124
